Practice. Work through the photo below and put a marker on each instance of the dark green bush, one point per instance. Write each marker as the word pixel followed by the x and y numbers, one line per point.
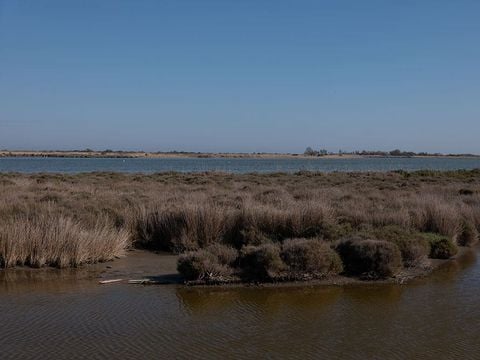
pixel 441 247
pixel 370 258
pixel 202 265
pixel 312 257
pixel 261 263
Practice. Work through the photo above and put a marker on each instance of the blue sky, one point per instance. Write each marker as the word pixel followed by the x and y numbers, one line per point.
pixel 247 75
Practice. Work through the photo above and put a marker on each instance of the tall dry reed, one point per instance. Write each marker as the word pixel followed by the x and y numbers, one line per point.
pixel 43 239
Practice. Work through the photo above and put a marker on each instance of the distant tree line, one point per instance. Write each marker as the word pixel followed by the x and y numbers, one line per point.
pixel 397 153
pixel 310 152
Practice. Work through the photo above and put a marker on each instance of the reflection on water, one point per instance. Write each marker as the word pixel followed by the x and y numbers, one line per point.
pixel 49 314
pixel 206 301
pixel 19 281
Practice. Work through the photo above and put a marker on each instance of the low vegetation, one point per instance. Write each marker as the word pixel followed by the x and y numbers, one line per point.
pixel 441 247
pixel 310 258
pixel 370 258
pixel 249 227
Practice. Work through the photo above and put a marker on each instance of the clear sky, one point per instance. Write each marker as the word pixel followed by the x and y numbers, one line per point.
pixel 240 75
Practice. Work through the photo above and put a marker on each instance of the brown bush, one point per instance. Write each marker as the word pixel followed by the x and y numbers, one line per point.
pixel 202 265
pixel 313 258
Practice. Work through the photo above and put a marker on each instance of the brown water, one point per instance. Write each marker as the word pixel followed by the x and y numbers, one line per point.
pixel 66 315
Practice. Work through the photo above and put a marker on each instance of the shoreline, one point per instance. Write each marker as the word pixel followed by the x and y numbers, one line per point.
pixel 201 155
pixel 142 265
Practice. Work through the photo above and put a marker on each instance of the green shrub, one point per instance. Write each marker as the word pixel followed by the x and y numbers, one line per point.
pixel 370 258
pixel 441 247
pixel 261 263
pixel 468 234
pixel 310 257
pixel 202 265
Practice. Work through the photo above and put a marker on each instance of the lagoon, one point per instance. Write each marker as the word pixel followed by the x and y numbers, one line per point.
pixel 231 165
pixel 65 313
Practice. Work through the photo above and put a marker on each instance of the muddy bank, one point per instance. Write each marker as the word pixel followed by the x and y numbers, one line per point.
pixel 159 268
pixel 137 264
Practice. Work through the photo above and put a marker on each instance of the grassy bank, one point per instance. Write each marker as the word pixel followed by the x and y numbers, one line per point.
pixel 252 227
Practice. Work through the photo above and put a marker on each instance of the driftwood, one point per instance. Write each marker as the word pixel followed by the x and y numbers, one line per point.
pixel 142 281
pixel 110 281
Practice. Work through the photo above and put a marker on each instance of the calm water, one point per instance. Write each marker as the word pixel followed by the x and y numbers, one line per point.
pixel 59 316
pixel 72 165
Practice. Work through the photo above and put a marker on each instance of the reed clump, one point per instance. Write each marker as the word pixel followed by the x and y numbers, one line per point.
pixel 42 239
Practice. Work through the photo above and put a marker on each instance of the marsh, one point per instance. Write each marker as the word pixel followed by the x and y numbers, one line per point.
pixel 242 227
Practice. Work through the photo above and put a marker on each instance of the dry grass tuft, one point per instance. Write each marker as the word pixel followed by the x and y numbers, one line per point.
pixel 43 240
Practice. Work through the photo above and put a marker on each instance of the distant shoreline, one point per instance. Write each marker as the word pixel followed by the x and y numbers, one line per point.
pixel 169 155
